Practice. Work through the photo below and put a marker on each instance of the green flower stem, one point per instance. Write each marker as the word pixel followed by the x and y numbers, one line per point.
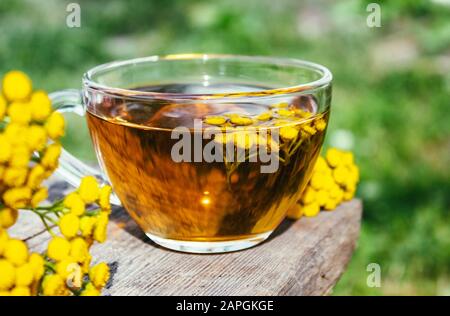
pixel 49 266
pixel 57 205
pixel 297 145
pixel 35 159
pixel 44 221
pixel 45 212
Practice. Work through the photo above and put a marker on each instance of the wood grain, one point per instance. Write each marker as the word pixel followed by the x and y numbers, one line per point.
pixel 305 257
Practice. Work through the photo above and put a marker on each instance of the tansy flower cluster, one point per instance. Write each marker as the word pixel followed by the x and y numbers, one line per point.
pixel 27 125
pixel 334 179
pixel 20 271
pixel 83 219
pixel 29 153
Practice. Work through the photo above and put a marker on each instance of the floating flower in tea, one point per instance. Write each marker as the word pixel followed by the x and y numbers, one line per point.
pixel 283 120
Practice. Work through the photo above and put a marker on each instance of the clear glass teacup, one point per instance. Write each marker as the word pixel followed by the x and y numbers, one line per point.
pixel 205 152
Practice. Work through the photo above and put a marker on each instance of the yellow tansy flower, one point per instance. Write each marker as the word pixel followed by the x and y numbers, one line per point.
pixel 215 120
pixel 265 116
pixel 24 275
pixel 20 156
pixel 295 211
pixel 105 194
pixel 19 113
pixel 328 181
pixel 90 290
pixel 331 204
pixel 336 193
pixel 280 122
pixel 41 106
pixel 5 148
pixel 89 190
pixel 3 240
pixel 333 157
pixel 36 176
pixel 69 225
pixel 317 181
pixel 321 197
pixel 8 217
pixel 37 137
pixel 347 158
pixel 3 105
pixel 311 209
pixel 86 264
pixel 241 120
pixel 7 275
pixel 302 113
pixel 51 156
pixel 63 268
pixel 16 86
pixel 55 125
pixel 17 197
pixel 58 248
pixel 280 105
pixel 308 196
pixel 16 252
pixel 79 249
pixel 321 164
pixel 285 112
pixel 37 263
pixel 99 275
pixel 39 196
pixel 308 129
pixel 15 177
pixel 74 202
pixel 16 133
pixel 87 224
pixel 54 285
pixel 288 133
pixel 340 174
pixel 320 124
pixel 349 193
pixel 21 291
pixel 100 227
pixel 354 172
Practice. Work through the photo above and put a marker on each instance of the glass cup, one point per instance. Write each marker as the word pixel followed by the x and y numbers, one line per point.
pixel 206 152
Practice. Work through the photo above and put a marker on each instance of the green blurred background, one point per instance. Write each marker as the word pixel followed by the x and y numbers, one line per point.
pixel 390 104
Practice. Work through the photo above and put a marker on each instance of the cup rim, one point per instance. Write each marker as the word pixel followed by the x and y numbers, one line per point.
pixel 323 81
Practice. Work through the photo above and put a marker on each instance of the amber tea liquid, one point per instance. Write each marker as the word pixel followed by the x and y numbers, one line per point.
pixel 202 201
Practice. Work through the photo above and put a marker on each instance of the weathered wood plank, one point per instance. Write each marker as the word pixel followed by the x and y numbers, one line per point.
pixel 305 257
pixel 302 258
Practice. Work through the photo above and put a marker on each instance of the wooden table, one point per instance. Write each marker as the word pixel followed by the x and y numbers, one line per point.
pixel 304 257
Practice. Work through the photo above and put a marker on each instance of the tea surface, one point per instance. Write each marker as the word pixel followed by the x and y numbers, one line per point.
pixel 205 201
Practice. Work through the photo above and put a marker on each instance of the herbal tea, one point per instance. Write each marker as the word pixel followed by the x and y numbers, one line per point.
pixel 194 199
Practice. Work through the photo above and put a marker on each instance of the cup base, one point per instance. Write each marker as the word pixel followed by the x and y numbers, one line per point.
pixel 206 247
